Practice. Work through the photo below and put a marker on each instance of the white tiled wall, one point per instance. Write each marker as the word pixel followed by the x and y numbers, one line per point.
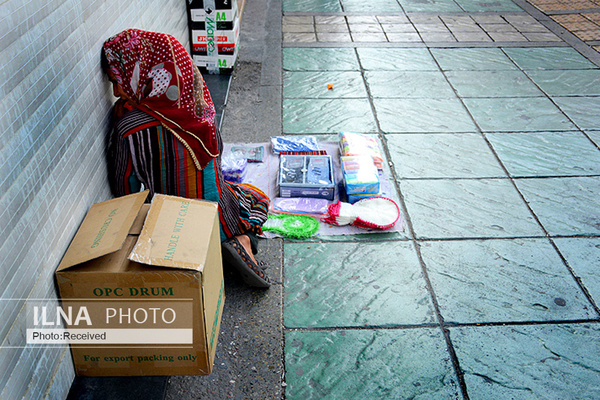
pixel 54 107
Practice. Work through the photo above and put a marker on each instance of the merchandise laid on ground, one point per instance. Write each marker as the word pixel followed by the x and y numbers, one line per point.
pixel 318 180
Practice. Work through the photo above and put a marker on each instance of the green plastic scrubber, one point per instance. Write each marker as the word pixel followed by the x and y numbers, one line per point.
pixel 292 226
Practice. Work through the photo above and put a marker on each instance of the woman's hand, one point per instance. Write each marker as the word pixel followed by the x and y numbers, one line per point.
pixel 120 108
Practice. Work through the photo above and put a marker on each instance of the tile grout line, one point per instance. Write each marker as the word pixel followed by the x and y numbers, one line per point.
pixel 524 323
pixel 577 279
pixel 442 324
pixel 440 320
pixel 282 70
pixel 572 11
pixel 437 44
pixel 446 325
pixel 449 239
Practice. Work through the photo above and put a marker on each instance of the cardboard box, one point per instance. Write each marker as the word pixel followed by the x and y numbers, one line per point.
pixel 306 176
pixel 224 18
pixel 217 35
pixel 225 44
pixel 150 282
pixel 214 31
pixel 219 4
pixel 222 62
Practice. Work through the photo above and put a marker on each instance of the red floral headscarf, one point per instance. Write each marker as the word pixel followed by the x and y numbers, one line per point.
pixel 156 71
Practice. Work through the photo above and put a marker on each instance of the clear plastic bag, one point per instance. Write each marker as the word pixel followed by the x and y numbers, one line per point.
pixel 357 144
pixel 234 166
pixel 300 205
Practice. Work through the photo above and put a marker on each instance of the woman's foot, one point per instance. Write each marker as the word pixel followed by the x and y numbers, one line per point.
pixel 245 242
pixel 237 252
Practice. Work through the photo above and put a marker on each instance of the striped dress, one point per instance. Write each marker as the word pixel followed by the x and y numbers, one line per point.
pixel 142 152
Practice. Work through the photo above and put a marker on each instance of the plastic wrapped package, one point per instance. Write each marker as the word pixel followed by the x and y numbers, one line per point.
pixel 294 144
pixel 319 171
pixel 233 167
pixel 306 176
pixel 300 205
pixel 250 153
pixel 360 175
pixel 354 197
pixel 356 144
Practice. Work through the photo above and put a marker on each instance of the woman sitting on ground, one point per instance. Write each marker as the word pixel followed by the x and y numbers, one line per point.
pixel 165 139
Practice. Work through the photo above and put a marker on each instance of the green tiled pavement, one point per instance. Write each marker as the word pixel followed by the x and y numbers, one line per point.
pixel 531 154
pixel 422 115
pixel 502 280
pixel 314 84
pixel 492 291
pixel 442 156
pixel 467 208
pixel 319 59
pixel 369 364
pixel 473 59
pixel 536 58
pixel 493 84
pixel 517 114
pixel 408 84
pixel 568 82
pixel 313 6
pixel 396 59
pixel 565 206
pixel 430 6
pixel 583 111
pixel 306 116
pixel 594 136
pixel 485 5
pixel 583 255
pixel 530 362
pixel 382 6
pixel 330 285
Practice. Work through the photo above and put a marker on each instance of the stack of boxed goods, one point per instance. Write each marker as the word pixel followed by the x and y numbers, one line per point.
pixel 214 34
pixel 361 161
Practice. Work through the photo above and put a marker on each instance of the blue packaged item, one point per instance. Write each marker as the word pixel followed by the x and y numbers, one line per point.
pixel 294 144
pixel 353 198
pixel 360 175
pixel 306 176
pixel 319 171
